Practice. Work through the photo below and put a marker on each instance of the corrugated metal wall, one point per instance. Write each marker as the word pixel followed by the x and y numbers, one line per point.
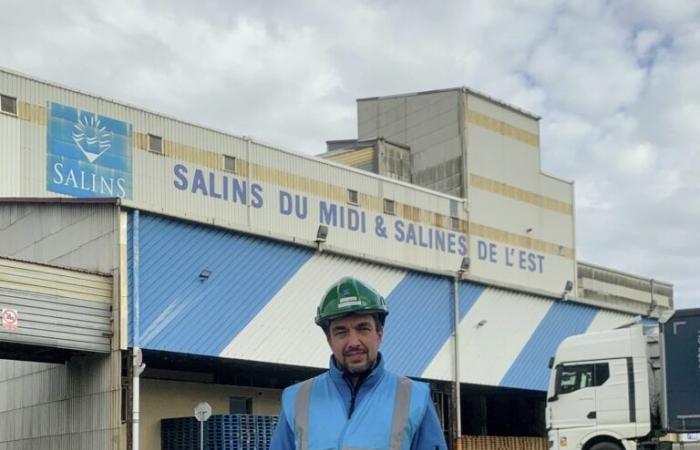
pixel 77 236
pixel 44 279
pixel 56 307
pixel 260 298
pixel 429 124
pixel 10 169
pixel 57 407
pixel 74 405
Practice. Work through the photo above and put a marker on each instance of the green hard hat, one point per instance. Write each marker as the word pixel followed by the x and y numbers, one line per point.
pixel 350 296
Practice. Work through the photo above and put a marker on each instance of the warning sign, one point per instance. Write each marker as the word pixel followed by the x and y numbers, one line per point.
pixel 9 319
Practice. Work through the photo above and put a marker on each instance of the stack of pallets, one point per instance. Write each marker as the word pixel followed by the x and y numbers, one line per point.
pixel 221 432
pixel 179 434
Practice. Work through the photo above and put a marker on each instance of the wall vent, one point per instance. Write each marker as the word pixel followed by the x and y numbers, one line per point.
pixel 8 104
pixel 155 143
pixel 230 163
pixel 353 197
pixel 389 207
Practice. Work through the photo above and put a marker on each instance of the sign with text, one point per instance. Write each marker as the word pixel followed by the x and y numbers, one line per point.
pixel 88 155
pixel 295 206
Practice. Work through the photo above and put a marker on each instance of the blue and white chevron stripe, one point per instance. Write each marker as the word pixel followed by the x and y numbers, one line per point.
pixel 260 300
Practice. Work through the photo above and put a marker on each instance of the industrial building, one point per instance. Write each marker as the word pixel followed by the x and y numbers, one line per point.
pixel 123 229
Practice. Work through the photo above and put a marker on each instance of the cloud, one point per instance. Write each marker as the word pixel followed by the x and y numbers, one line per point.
pixel 614 82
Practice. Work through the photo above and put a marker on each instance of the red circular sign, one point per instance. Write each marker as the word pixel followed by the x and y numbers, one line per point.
pixel 9 319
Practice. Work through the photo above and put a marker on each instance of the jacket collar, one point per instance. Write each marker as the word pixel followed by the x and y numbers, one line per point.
pixel 337 375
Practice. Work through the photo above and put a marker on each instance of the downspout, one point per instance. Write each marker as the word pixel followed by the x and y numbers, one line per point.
pixel 137 358
pixel 458 399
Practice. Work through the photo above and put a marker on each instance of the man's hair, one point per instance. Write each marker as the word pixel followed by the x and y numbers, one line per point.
pixel 377 323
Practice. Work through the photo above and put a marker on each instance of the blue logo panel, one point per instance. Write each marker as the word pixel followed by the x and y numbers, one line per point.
pixel 88 155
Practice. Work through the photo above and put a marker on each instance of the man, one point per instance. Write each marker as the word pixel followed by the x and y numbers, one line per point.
pixel 357 404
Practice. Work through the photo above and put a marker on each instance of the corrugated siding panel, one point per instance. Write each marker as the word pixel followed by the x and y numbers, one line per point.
pixel 56 406
pixel 57 321
pixel 492 333
pixel 260 300
pixel 42 279
pixel 420 322
pixel 78 236
pixel 178 311
pixel 530 371
pixel 284 332
pixel 608 320
pixel 261 297
pixel 355 157
pixel 10 172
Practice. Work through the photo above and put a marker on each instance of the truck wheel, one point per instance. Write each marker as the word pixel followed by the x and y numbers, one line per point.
pixel 606 445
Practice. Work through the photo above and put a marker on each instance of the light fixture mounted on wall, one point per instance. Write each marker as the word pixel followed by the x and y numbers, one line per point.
pixel 568 287
pixel 204 275
pixel 321 234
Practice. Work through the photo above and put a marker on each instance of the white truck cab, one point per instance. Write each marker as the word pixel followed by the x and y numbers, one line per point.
pixel 607 391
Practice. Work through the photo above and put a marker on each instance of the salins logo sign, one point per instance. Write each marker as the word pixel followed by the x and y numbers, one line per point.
pixel 88 155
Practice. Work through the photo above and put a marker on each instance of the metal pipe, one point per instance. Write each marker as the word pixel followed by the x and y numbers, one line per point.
pixel 249 187
pixel 458 399
pixel 135 278
pixel 136 383
pixel 136 352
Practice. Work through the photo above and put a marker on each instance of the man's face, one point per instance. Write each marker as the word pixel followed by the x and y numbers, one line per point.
pixel 355 341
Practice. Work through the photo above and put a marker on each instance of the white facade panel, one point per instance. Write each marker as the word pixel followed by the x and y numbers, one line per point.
pixel 557 189
pixel 10 153
pixel 518 217
pixel 500 112
pixel 499 158
pixel 33 154
pixel 274 335
pixel 608 320
pixel 489 339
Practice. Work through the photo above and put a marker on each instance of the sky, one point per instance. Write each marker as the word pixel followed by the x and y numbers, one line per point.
pixel 615 83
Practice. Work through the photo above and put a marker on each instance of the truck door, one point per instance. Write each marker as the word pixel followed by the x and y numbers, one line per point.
pixel 574 402
pixel 612 397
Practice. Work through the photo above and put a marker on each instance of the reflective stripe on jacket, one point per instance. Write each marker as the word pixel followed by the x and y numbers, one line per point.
pixel 387 413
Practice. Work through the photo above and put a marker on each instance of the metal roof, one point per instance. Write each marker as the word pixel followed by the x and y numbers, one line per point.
pixel 457 89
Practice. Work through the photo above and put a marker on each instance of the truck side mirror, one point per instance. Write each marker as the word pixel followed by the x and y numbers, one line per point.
pixel 551 362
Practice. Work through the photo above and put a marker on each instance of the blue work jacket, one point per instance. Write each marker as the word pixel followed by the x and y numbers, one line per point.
pixel 384 411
